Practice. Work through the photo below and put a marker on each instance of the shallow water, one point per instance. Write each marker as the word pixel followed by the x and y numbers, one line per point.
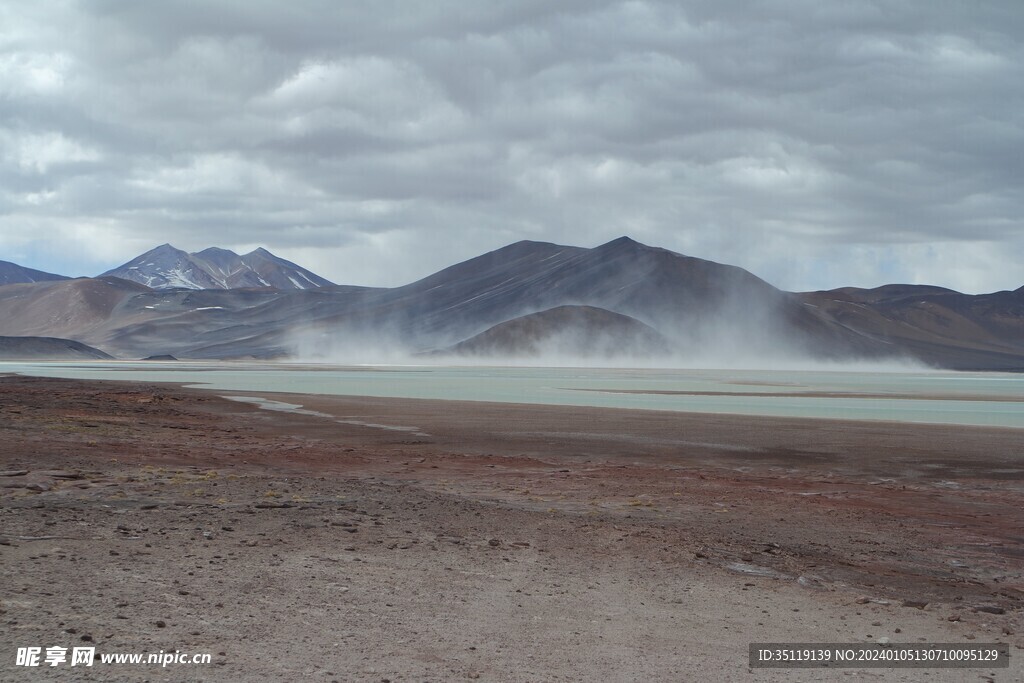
pixel 990 399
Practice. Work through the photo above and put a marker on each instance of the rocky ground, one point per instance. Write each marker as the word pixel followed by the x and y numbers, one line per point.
pixel 401 540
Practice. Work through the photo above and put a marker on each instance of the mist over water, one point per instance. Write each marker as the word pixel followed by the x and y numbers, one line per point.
pixel 742 336
pixel 369 349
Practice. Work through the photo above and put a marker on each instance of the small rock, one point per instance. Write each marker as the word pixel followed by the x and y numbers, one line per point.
pixel 160 623
pixel 86 638
pixel 990 609
pixel 13 473
pixel 953 617
pixel 62 474
pixel 494 543
pixel 917 604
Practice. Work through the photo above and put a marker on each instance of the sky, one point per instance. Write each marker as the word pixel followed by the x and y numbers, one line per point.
pixel 816 144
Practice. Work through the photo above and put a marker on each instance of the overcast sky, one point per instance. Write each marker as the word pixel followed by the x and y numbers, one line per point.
pixel 817 144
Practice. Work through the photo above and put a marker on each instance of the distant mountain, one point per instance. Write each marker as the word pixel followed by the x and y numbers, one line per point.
pixel 47 348
pixel 167 268
pixel 623 298
pixel 937 325
pixel 11 273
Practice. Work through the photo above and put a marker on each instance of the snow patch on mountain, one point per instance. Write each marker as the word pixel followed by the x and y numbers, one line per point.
pixel 214 268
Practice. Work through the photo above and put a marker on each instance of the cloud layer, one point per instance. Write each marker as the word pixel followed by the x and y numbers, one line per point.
pixel 815 144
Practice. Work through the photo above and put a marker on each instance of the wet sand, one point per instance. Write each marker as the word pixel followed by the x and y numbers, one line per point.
pixel 420 540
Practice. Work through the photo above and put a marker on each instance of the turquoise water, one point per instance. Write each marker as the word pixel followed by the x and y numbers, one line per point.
pixel 991 399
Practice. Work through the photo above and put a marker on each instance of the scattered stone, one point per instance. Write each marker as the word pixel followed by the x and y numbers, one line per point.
pixel 756 570
pixel 86 638
pixel 917 604
pixel 494 543
pixel 160 623
pixel 990 609
pixel 270 505
pixel 811 582
pixel 61 474
pixel 953 617
pixel 13 473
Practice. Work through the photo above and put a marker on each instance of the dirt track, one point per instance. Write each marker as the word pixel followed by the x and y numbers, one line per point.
pixel 490 541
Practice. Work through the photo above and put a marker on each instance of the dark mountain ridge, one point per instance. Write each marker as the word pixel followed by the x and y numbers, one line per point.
pixel 12 273
pixel 47 348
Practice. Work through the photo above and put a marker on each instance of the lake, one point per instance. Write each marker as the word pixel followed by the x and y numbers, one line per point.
pixel 989 399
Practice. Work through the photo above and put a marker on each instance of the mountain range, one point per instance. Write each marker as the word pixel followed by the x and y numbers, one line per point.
pixel 528 299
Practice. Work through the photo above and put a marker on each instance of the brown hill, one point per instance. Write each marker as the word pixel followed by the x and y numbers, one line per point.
pixel 567 332
pixel 47 348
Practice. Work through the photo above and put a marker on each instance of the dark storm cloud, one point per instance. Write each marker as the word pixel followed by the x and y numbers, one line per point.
pixel 816 144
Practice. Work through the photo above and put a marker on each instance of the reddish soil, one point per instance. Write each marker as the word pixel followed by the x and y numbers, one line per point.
pixel 490 541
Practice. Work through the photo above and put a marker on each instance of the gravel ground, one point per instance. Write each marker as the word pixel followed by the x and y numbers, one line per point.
pixel 498 543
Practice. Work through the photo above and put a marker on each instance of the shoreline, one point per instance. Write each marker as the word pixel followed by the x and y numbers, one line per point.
pixel 859 399
pixel 628 543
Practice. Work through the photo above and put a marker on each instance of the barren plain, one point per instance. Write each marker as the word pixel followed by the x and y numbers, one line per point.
pixel 413 540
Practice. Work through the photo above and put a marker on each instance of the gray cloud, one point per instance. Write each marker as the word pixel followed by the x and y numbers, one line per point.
pixel 816 144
